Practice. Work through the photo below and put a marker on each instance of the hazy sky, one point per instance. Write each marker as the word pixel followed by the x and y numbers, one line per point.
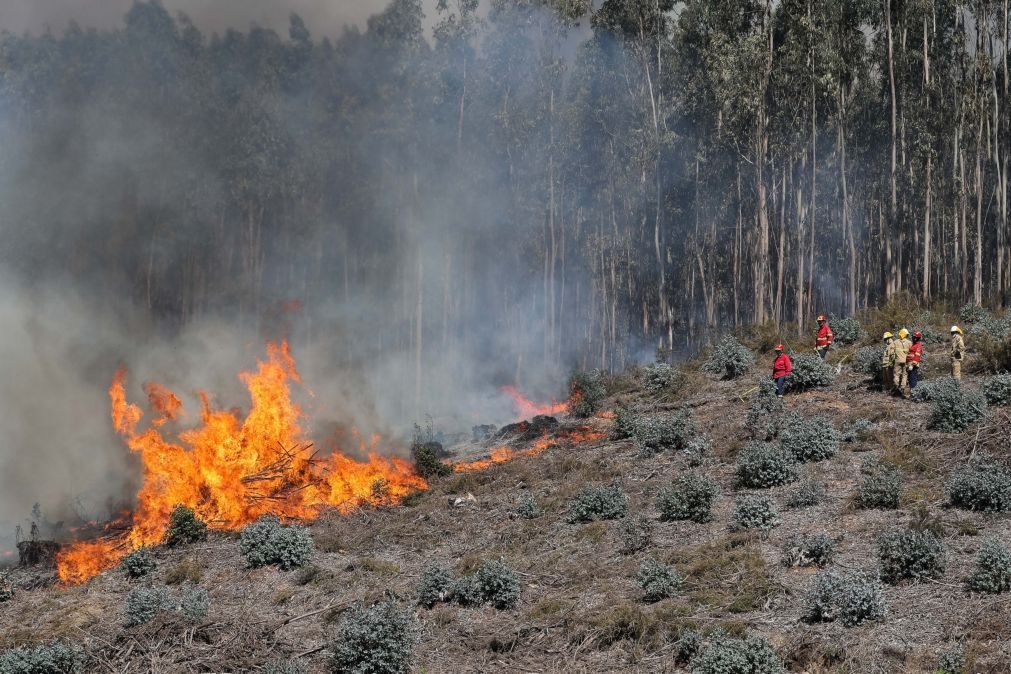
pixel 325 17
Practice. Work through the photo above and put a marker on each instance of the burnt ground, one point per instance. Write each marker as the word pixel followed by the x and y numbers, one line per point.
pixel 580 608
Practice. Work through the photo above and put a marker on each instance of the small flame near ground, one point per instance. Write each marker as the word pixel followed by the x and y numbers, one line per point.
pixel 527 408
pixel 232 470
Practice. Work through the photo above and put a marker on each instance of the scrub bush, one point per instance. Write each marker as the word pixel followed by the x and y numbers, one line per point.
pixel 56 657
pixel 729 359
pixel 765 415
pixel 493 582
pixel 184 527
pixel 809 371
pixel 761 465
pixel 850 599
pixel 846 330
pixel 753 655
pixel 808 550
pixel 992 573
pixel 953 408
pixel 916 555
pixel 881 488
pixel 377 640
pixel 667 431
pixel 144 603
pixel 690 497
pixel 754 512
pixel 598 503
pixel 267 542
pixel 138 563
pixel 586 392
pixel 807 493
pixel 997 389
pixel 658 581
pixel 812 439
pixel 636 534
pixel 982 485
pixel 435 585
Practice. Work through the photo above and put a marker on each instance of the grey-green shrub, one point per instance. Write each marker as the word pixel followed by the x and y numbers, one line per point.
pixel 625 420
pixel 992 573
pixel 376 640
pixel 267 541
pixel 528 508
pixel 809 371
pixel 195 603
pixel 660 379
pixel 754 655
pixel 636 534
pixel 997 389
pixel 428 461
pixel 144 603
pixel 880 489
pixel 688 645
pixel 754 512
pixel 55 657
pixel 765 415
pixel 917 555
pixel 982 485
pixel 952 662
pixel 808 550
pixel 973 313
pixel 138 563
pixel 658 581
pixel 850 599
pixel 6 588
pixel 926 390
pixel 953 408
pixel 598 503
pixel 493 582
pixel 846 330
pixel 761 465
pixel 666 431
pixel 586 392
pixel 281 666
pixel 697 449
pixel 729 359
pixel 811 439
pixel 856 430
pixel 867 360
pixel 435 585
pixel 806 494
pixel 184 527
pixel 690 497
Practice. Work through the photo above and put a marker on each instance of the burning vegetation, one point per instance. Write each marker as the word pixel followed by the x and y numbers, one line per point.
pixel 232 470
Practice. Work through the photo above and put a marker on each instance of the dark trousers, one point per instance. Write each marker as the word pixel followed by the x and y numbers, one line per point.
pixel 914 377
pixel 823 352
pixel 780 385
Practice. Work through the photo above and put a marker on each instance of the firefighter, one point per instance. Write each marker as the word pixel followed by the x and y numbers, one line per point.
pixel 914 359
pixel 901 346
pixel 781 369
pixel 824 339
pixel 888 362
pixel 957 352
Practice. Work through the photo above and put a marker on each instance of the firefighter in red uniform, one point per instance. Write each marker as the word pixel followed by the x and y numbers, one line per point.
pixel 781 369
pixel 824 340
pixel 914 359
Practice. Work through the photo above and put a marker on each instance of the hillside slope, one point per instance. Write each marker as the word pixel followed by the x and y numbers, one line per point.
pixel 581 608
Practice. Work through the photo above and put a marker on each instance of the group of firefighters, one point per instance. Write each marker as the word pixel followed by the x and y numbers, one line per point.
pixel 900 361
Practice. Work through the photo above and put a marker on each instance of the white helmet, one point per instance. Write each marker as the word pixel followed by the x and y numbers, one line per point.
pixel 957 329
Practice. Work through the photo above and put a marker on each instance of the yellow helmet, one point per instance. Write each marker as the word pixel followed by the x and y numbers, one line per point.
pixel 957 329
pixel 903 333
pixel 888 335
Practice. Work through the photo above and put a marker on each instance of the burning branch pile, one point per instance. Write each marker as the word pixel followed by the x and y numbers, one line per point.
pixel 231 471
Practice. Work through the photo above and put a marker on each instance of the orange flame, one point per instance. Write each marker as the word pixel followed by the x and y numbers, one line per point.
pixel 526 408
pixel 231 470
pixel 504 454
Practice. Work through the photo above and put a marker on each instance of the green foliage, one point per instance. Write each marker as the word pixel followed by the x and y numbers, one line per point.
pixel 586 392
pixel 184 527
pixel 435 586
pixel 808 550
pixel 285 667
pixel 811 439
pixel 267 542
pixel 55 657
pixel 598 503
pixel 528 508
pixel 665 431
pixel 881 488
pixel 636 534
pixel 846 330
pixel 754 655
pixel 926 390
pixel 428 461
pixel 765 415
pixel 144 603
pixel 754 512
pixel 973 313
pixel 661 379
pixel 195 603
pixel 729 359
pixel 850 599
pixel 138 563
pixel 857 430
pixel 690 497
pixel 493 582
pixel 625 421
pixel 917 555
pixel 953 408
pixel 997 389
pixel 983 484
pixel 6 587
pixel 658 581
pixel 697 448
pixel 952 662
pixel 376 640
pixel 867 360
pixel 761 465
pixel 809 371
pixel 688 645
pixel 806 494
pixel 992 573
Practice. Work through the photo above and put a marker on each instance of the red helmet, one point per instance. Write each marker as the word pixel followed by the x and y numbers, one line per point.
pixel 779 347
pixel 821 317
pixel 917 334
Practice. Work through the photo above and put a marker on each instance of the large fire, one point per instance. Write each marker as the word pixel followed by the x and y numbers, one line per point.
pixel 232 470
